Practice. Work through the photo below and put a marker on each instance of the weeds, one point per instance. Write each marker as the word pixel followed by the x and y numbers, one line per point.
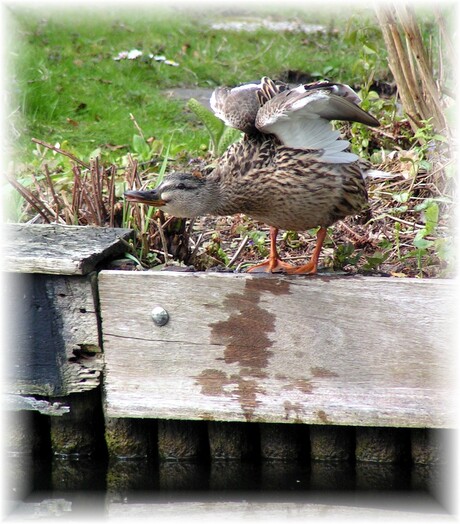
pixel 79 178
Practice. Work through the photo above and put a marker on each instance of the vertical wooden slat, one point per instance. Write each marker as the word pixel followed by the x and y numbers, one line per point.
pixel 130 438
pixel 80 432
pixel 280 441
pixel 382 445
pixel 332 442
pixel 182 440
pixel 228 440
pixel 428 446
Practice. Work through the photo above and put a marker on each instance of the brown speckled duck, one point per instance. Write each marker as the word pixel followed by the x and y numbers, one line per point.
pixel 291 170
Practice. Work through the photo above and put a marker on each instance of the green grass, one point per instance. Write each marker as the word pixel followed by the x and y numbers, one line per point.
pixel 66 88
pixel 69 89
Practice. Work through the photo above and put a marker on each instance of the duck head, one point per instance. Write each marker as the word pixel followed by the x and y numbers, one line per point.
pixel 184 195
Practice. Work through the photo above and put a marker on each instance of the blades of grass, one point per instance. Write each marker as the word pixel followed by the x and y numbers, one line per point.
pixel 132 181
pixel 161 174
pixel 164 163
pixel 135 260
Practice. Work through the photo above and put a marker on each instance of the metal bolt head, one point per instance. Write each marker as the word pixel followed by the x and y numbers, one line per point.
pixel 160 316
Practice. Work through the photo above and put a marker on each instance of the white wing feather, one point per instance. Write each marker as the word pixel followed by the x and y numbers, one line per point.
pixel 299 124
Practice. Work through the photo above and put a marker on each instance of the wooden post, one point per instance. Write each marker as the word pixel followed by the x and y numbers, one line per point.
pixel 382 445
pixel 281 441
pixel 332 443
pixel 80 432
pixel 27 433
pixel 52 289
pixel 181 440
pixel 130 438
pixel 429 446
pixel 228 440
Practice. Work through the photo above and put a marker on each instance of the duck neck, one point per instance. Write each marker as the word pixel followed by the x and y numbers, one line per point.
pixel 216 200
pixel 225 194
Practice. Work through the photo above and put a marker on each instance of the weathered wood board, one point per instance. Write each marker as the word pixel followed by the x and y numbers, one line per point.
pixel 52 305
pixel 59 249
pixel 267 348
pixel 53 342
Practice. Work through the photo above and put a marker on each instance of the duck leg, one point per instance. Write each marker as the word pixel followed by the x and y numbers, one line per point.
pixel 311 266
pixel 274 264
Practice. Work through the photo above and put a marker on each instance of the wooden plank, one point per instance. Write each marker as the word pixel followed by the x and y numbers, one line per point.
pixel 54 346
pixel 58 249
pixel 322 350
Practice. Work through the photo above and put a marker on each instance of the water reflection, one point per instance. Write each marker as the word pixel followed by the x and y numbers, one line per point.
pixel 85 487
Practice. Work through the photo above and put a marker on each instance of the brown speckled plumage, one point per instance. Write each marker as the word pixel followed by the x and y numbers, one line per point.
pixel 290 171
pixel 318 195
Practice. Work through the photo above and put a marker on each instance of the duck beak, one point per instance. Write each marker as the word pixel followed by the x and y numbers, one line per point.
pixel 151 198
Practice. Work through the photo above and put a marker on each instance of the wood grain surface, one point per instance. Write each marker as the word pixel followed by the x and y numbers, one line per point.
pixel 356 351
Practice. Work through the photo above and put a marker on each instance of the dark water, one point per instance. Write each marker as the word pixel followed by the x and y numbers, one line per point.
pixel 58 488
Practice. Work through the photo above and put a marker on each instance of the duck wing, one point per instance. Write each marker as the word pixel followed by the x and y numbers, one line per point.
pixel 300 118
pixel 237 107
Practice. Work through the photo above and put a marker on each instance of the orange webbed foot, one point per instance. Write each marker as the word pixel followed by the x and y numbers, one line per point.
pixel 272 266
pixel 307 269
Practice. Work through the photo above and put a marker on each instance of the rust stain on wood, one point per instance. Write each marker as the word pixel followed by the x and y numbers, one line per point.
pixel 322 415
pixel 322 372
pixel 212 382
pixel 301 384
pixel 291 408
pixel 245 335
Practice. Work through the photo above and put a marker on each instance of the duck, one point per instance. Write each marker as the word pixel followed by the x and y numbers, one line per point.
pixel 291 170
